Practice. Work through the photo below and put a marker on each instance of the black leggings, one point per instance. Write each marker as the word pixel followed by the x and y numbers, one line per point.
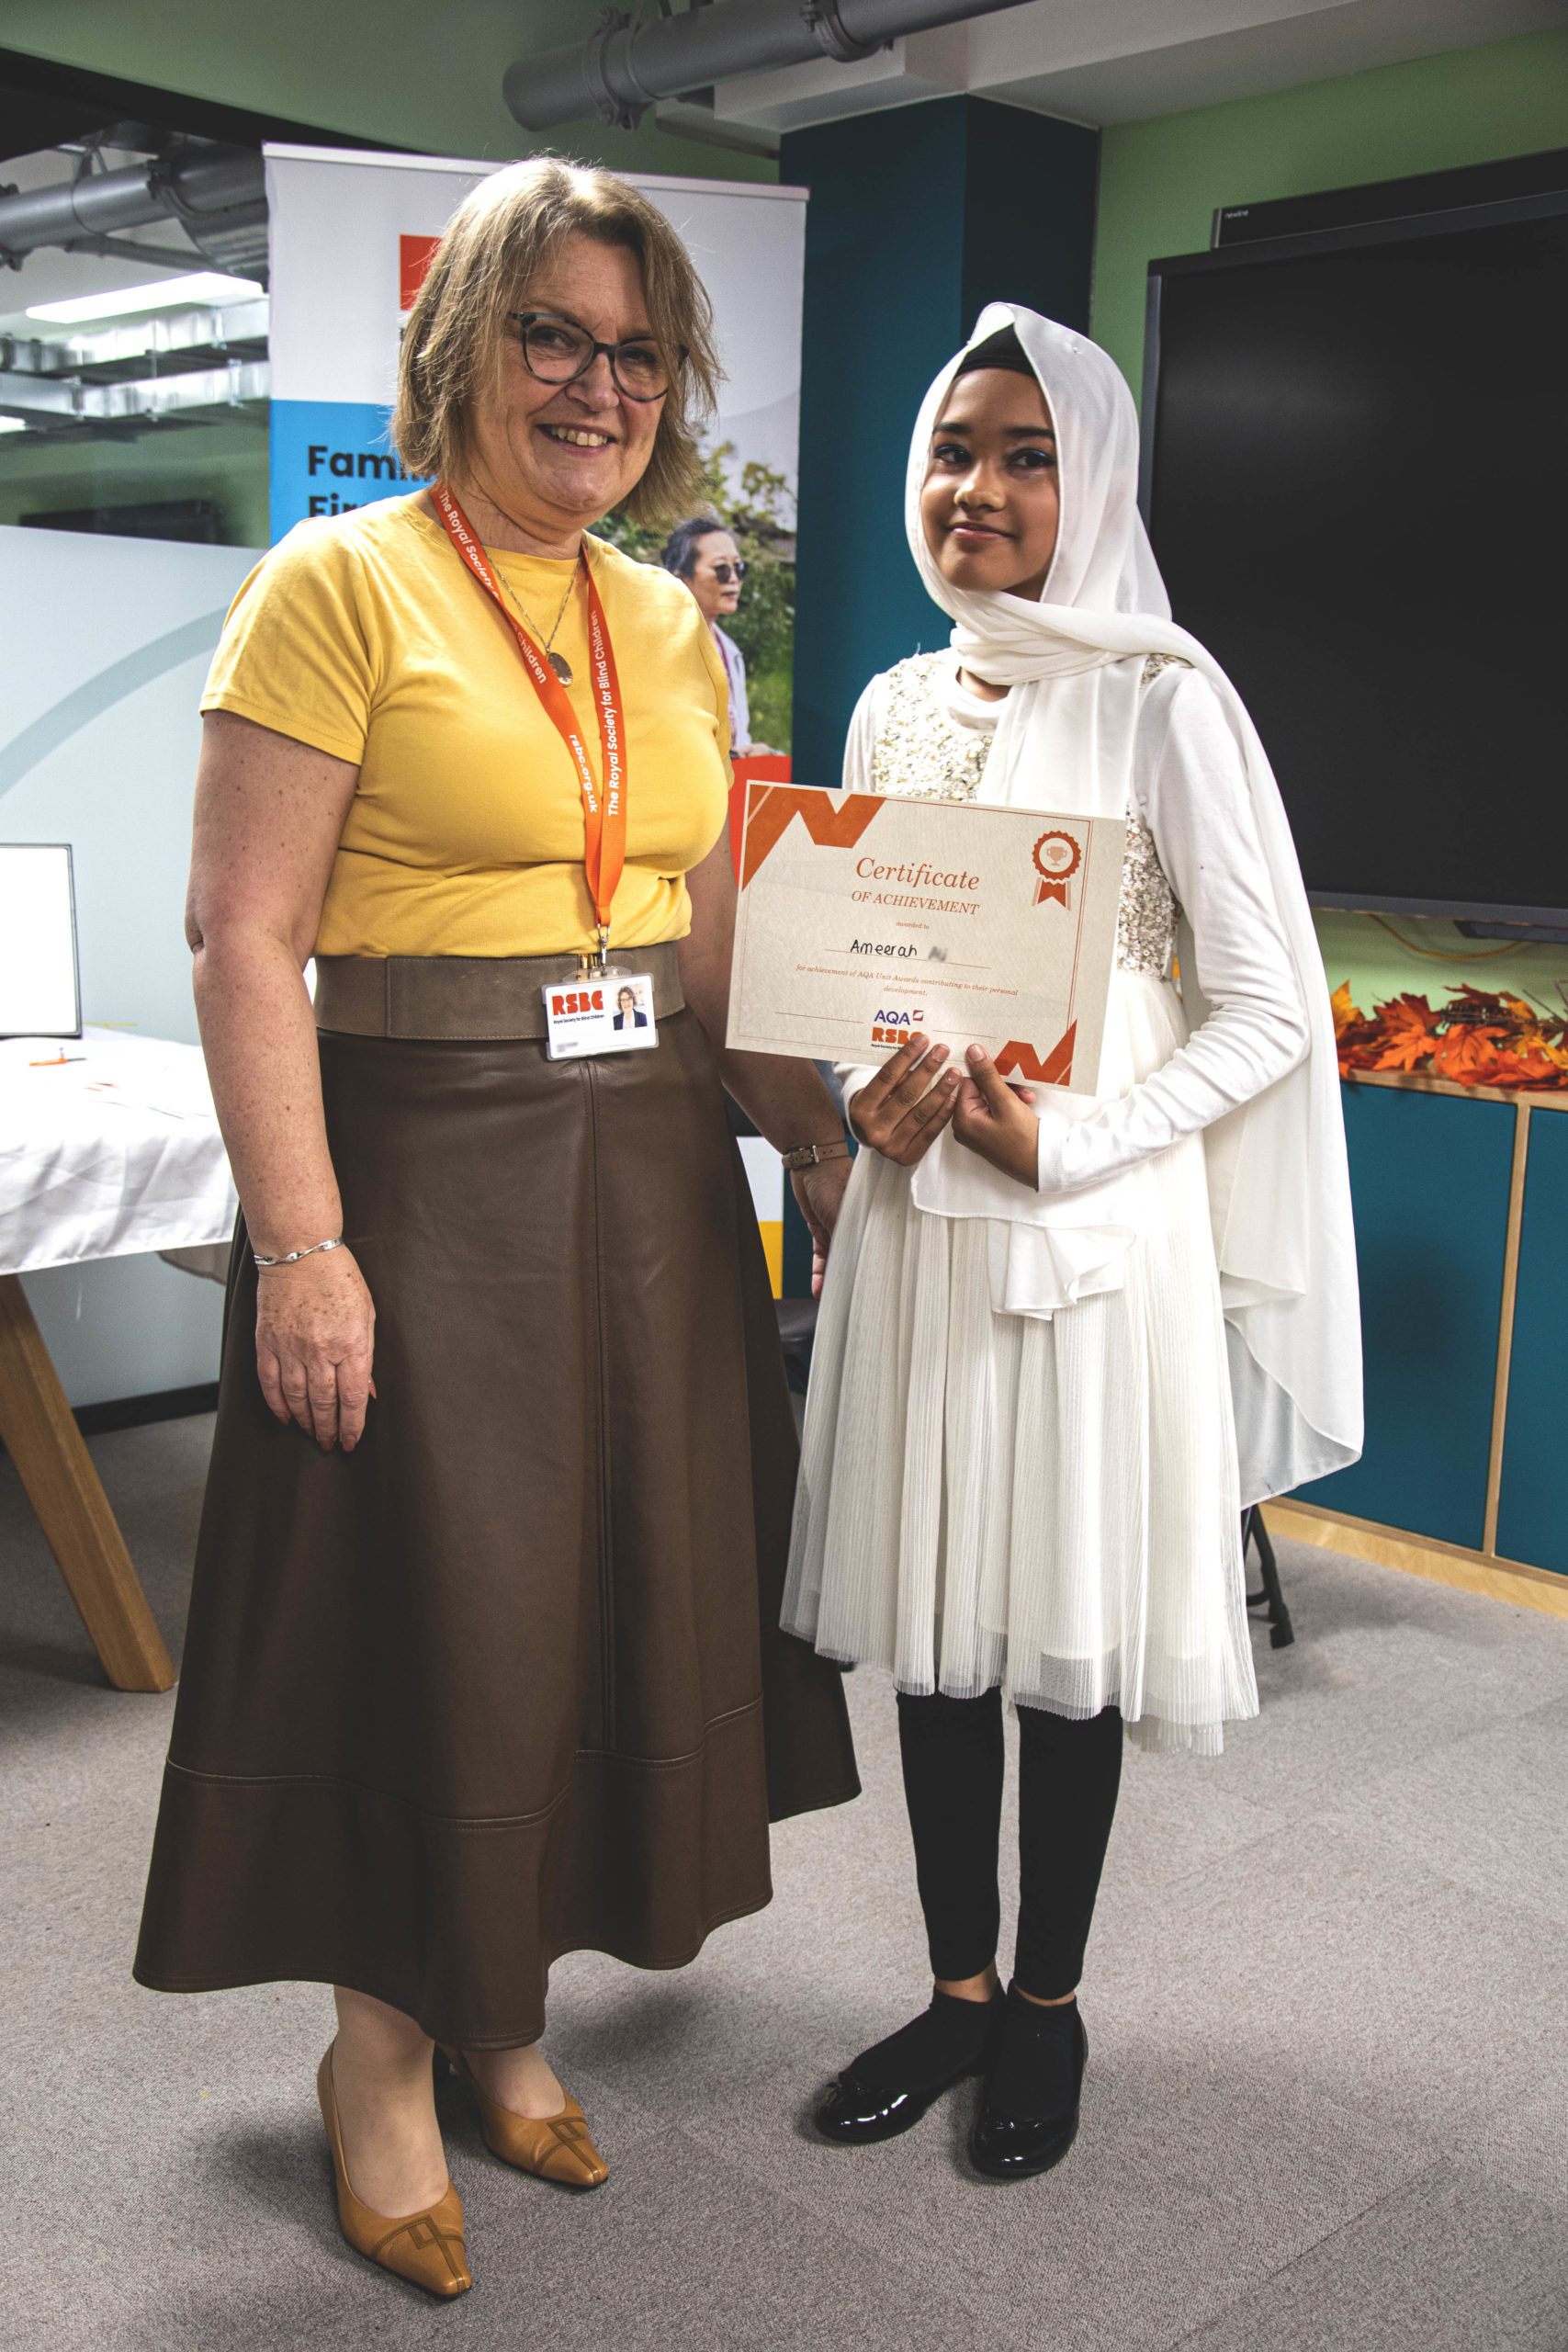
pixel 1068 1776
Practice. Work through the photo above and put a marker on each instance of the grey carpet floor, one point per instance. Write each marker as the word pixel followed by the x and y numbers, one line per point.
pixel 1327 2110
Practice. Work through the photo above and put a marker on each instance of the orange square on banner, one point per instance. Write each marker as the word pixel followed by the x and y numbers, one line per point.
pixel 413 259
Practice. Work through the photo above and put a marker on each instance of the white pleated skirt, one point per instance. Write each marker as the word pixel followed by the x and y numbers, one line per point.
pixel 1043 1501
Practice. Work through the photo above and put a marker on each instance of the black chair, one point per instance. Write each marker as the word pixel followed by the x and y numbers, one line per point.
pixel 1281 1632
pixel 797 1328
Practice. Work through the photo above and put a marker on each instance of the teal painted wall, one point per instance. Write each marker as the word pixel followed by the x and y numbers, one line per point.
pixel 1532 1524
pixel 1430 1175
pixel 884 294
pixel 1160 181
pixel 918 218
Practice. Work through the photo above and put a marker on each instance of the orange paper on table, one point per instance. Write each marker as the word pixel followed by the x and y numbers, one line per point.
pixel 864 919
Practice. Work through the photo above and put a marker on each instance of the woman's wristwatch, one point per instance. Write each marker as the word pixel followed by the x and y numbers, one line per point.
pixel 809 1155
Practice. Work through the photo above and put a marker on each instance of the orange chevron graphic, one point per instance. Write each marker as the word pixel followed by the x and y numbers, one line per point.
pixel 1056 1069
pixel 833 819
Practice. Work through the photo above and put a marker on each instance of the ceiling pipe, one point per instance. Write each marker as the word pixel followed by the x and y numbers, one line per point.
pixel 624 66
pixel 213 191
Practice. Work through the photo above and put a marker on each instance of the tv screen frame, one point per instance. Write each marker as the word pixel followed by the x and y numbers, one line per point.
pixel 1270 250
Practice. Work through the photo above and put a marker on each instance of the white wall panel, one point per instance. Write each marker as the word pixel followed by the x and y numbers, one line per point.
pixel 103 648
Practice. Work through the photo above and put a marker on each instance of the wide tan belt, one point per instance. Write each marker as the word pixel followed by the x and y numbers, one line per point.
pixel 466 996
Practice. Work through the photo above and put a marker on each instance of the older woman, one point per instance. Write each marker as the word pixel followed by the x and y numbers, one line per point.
pixel 482 1664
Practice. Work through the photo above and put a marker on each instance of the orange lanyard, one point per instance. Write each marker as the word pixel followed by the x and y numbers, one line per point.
pixel 603 812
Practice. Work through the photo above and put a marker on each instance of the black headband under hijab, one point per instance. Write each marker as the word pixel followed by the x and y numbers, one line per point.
pixel 1002 349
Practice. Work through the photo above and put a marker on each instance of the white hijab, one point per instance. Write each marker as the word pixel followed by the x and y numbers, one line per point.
pixel 1279 1188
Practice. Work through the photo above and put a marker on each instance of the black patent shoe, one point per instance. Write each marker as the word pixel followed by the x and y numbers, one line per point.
pixel 1008 2146
pixel 857 2110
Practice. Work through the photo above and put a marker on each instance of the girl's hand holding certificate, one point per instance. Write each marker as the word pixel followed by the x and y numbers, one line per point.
pixel 900 1113
pixel 995 1120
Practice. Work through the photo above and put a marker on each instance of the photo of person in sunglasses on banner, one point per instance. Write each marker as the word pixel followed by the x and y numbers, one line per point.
pixel 702 552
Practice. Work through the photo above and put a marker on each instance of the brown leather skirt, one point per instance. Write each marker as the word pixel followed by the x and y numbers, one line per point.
pixel 507 1681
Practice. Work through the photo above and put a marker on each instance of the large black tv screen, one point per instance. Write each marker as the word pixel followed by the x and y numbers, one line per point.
pixel 1358 491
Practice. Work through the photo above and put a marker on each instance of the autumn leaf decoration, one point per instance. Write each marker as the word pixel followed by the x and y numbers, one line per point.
pixel 1478 1038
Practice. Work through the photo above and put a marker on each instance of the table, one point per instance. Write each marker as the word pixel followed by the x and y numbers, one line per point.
pixel 108 1147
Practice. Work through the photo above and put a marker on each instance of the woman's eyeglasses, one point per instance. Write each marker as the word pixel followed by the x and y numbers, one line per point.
pixel 557 351
pixel 725 572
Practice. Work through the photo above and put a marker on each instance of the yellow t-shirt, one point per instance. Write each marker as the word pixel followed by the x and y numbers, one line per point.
pixel 364 636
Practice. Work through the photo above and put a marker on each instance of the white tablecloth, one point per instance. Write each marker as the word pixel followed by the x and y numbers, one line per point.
pixel 113 1150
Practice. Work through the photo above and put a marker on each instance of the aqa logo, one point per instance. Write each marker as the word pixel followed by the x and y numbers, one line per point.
pixel 891 1028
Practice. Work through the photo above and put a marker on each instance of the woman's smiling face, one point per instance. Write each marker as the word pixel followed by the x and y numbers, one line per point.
pixel 556 457
pixel 990 503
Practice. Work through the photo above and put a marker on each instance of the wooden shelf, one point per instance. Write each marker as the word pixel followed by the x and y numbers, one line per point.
pixel 1413 1081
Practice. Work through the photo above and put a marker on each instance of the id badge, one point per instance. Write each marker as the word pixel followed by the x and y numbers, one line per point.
pixel 599 1012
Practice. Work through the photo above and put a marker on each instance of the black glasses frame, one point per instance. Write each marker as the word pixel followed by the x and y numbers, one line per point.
pixel 726 572
pixel 525 319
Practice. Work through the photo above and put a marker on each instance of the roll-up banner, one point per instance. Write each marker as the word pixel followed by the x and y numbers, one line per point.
pixel 351 237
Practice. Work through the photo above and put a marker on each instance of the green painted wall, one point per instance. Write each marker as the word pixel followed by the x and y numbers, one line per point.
pixel 407 71
pixel 1159 184
pixel 1160 181
pixel 1384 959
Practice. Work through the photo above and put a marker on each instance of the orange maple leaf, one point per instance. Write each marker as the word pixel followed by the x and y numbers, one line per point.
pixel 1528 1065
pixel 1409 1031
pixel 1470 1054
pixel 1345 1013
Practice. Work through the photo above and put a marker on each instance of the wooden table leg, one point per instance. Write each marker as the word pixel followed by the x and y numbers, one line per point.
pixel 42 1437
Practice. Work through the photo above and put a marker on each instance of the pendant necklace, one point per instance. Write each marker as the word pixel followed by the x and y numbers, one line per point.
pixel 557 662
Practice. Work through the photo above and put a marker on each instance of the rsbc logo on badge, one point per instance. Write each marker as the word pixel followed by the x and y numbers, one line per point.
pixel 576 1020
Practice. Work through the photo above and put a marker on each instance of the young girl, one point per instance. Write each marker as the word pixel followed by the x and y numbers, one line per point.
pixel 1063 1342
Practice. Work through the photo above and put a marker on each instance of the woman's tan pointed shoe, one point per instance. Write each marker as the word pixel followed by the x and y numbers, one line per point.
pixel 425 2247
pixel 554 2147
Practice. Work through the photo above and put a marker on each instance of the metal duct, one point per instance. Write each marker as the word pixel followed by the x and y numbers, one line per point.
pixel 218 194
pixel 624 66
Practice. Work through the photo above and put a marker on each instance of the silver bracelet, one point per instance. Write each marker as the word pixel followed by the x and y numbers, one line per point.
pixel 292 1257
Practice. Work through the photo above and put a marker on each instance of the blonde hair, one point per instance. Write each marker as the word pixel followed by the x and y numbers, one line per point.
pixel 496 242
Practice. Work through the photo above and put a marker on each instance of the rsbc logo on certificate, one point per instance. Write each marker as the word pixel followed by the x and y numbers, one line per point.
pixel 863 919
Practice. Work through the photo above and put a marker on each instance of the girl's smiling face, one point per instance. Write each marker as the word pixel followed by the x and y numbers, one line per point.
pixel 990 503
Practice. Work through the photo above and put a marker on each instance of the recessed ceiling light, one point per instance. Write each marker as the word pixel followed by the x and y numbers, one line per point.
pixel 162 294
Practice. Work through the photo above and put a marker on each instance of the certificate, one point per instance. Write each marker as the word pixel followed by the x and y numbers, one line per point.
pixel 864 920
